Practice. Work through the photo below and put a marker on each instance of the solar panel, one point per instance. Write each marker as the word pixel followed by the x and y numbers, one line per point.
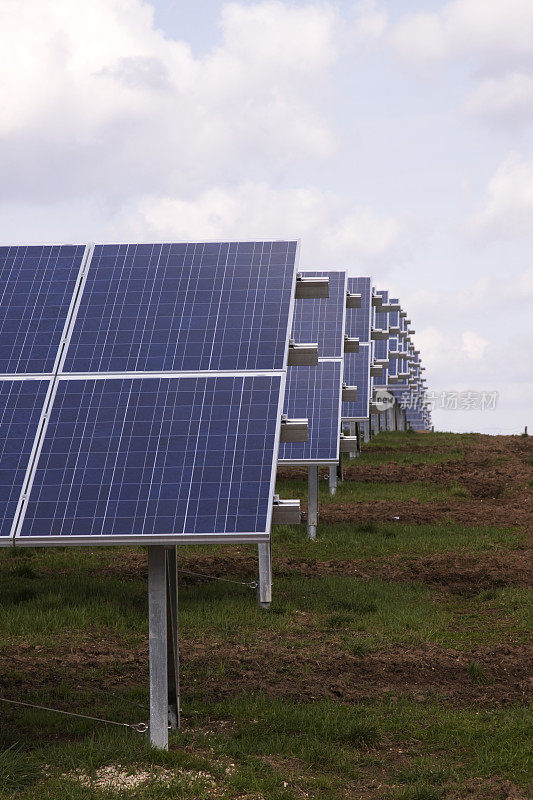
pixel 357 373
pixel 358 319
pixel 21 405
pixel 381 347
pixel 322 320
pixel 37 284
pixel 315 393
pixel 181 307
pixel 159 459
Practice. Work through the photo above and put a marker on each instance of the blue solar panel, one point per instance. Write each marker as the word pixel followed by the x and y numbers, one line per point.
pixel 322 320
pixel 381 346
pixel 36 288
pixel 381 320
pixel 394 316
pixel 314 392
pixel 21 404
pixel 358 319
pixel 133 459
pixel 357 373
pixel 218 306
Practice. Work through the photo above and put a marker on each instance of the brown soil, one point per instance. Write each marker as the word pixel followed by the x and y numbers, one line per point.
pixel 512 513
pixel 461 573
pixel 494 471
pixel 464 574
pixel 272 665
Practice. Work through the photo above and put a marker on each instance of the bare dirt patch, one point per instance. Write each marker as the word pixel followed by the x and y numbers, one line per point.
pixel 272 665
pixel 511 512
pixel 464 574
pixel 422 672
pixel 461 573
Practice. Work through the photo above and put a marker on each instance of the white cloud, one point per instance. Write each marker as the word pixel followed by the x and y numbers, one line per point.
pixel 331 227
pixel 363 233
pixel 95 97
pixel 433 344
pixel 496 35
pixel 522 288
pixel 492 30
pixel 370 23
pixel 508 205
pixel 507 99
pixel 473 345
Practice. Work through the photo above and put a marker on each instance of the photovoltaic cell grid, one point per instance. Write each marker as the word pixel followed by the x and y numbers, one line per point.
pixel 357 373
pixel 322 320
pixel 314 392
pixel 358 319
pixel 204 306
pixel 394 316
pixel 381 346
pixel 21 404
pixel 36 287
pixel 131 459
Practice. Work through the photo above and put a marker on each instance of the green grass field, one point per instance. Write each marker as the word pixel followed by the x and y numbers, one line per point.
pixel 386 668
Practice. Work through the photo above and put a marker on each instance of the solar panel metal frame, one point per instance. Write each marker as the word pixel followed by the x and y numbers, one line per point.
pixel 381 345
pixel 290 312
pixel 336 359
pixel 366 293
pixel 346 417
pixel 8 540
pixel 289 461
pixel 61 348
pixel 169 539
pixel 58 375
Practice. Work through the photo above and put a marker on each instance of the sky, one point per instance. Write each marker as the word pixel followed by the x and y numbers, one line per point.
pixel 393 138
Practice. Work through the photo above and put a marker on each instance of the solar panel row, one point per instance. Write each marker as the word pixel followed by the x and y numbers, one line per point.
pixel 315 392
pixel 132 457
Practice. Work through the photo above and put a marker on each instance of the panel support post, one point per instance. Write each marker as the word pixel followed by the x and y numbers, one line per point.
pixel 353 454
pixel 340 474
pixel 358 434
pixel 312 505
pixel 157 626
pixel 333 479
pixel 264 589
pixel 173 638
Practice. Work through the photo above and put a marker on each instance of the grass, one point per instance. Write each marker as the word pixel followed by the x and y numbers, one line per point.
pixel 374 540
pixel 385 454
pixel 91 604
pixel 354 492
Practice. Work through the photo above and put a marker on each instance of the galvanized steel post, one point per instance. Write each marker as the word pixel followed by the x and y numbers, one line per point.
pixel 312 504
pixel 157 627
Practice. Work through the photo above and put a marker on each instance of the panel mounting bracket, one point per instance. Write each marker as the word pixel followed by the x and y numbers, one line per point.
pixel 285 512
pixel 347 444
pixel 294 430
pixel 351 344
pixel 303 354
pixel 311 287
pixel 353 300
pixel 349 393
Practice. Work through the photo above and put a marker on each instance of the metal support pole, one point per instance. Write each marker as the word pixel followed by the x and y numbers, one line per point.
pixel 312 504
pixel 157 626
pixel 366 431
pixel 358 434
pixel 264 589
pixel 340 474
pixel 332 479
pixel 353 453
pixel 173 638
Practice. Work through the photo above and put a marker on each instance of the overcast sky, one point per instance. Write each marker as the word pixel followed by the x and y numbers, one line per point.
pixel 393 138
